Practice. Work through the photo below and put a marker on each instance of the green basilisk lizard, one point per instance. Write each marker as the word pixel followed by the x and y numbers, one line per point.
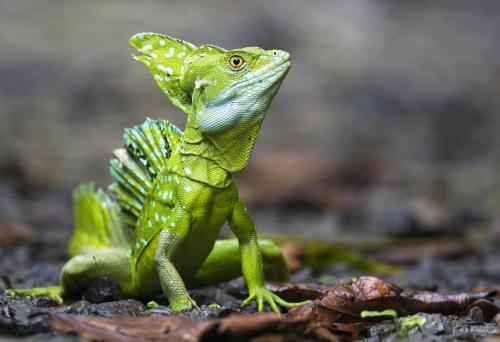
pixel 156 228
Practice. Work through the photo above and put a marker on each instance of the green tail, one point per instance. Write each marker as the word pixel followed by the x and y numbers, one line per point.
pixel 97 222
pixel 108 221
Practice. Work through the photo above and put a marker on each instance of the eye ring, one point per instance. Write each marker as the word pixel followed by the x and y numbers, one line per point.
pixel 236 62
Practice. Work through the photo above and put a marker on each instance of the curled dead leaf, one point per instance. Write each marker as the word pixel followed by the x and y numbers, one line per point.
pixel 343 303
pixel 297 292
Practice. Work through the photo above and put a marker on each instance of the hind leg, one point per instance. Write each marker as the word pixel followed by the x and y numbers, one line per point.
pixel 224 263
pixel 81 270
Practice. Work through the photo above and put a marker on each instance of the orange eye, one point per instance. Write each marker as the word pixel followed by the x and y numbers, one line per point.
pixel 236 62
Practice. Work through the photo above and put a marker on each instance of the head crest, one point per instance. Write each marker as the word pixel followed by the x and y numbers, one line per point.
pixel 164 57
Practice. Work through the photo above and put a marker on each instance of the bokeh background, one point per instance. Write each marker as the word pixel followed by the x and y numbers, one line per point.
pixel 388 122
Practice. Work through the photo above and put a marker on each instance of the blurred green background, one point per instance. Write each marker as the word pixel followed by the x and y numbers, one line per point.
pixel 389 117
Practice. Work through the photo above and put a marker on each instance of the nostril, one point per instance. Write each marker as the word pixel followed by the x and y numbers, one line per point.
pixel 275 53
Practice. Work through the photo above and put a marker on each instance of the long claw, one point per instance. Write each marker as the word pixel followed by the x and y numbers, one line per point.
pixel 247 301
pixel 260 303
pixel 262 295
pixel 289 305
pixel 274 307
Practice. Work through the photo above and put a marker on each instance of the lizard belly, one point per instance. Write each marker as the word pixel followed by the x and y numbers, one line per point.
pixel 198 244
pixel 195 248
pixel 209 208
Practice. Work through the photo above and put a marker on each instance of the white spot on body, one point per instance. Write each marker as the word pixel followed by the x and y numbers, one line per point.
pixel 161 42
pixel 182 54
pixel 188 188
pixel 168 70
pixel 157 217
pixel 147 47
pixel 150 225
pixel 170 53
pixel 172 224
pixel 187 170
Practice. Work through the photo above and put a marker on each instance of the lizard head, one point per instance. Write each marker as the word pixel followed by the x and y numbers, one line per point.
pixel 224 93
pixel 231 90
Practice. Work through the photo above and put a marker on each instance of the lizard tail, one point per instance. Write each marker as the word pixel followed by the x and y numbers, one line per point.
pixel 97 222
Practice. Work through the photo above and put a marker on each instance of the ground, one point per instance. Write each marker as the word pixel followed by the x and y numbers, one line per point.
pixel 33 252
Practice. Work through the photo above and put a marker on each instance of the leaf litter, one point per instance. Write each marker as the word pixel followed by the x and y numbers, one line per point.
pixel 335 312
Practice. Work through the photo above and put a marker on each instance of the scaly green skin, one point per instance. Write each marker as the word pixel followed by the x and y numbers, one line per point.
pixel 175 245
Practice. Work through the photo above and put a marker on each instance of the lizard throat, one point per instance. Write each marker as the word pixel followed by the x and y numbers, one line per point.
pixel 231 151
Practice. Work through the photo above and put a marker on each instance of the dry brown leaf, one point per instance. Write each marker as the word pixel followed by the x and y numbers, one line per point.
pixel 294 255
pixel 15 232
pixel 297 292
pixel 494 289
pixel 343 303
pixel 173 328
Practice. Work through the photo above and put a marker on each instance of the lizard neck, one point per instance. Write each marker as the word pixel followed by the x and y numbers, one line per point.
pixel 230 149
pixel 194 160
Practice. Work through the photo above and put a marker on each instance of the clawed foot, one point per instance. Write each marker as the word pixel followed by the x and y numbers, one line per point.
pixel 54 292
pixel 262 295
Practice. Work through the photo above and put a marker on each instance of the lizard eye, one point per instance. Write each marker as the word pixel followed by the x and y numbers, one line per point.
pixel 236 62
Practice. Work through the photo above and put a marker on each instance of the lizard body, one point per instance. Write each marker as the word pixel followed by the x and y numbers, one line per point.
pixel 157 229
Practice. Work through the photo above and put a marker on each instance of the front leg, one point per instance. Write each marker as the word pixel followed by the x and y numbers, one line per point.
pixel 243 227
pixel 169 241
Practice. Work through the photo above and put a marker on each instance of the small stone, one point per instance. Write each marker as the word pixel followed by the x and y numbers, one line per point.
pixel 160 310
pixel 475 316
pixel 102 290
pixel 128 307
pixel 481 331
